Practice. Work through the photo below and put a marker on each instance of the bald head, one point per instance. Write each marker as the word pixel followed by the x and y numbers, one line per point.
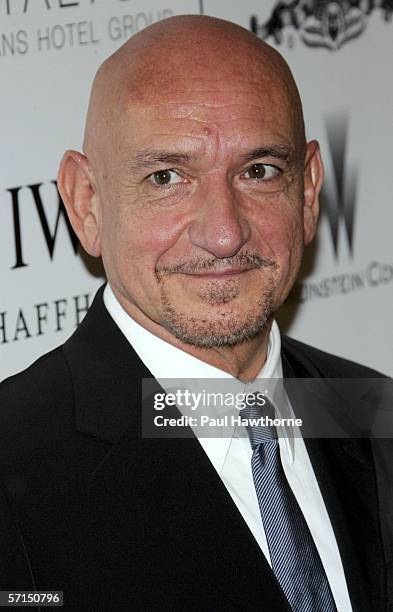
pixel 175 54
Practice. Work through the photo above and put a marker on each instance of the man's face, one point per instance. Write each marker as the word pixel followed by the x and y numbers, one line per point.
pixel 202 207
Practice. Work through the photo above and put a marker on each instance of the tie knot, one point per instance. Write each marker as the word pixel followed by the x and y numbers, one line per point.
pixel 259 418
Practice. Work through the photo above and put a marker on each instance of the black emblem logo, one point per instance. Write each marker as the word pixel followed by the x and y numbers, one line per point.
pixel 338 196
pixel 50 236
pixel 321 23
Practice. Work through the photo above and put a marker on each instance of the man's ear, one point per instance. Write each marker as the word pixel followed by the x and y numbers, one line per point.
pixel 76 186
pixel 313 179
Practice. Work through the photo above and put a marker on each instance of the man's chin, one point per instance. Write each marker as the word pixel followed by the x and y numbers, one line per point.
pixel 203 333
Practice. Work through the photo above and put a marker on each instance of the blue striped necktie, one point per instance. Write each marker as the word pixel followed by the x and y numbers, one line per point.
pixel 294 556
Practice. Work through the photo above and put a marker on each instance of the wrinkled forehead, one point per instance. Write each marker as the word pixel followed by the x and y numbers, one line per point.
pixel 231 108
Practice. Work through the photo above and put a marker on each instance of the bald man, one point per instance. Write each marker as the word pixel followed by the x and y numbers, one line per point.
pixel 198 190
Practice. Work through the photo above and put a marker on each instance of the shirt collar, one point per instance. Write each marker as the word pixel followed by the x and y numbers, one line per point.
pixel 165 361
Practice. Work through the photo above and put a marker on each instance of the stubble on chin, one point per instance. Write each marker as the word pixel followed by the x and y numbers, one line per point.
pixel 216 292
pixel 227 327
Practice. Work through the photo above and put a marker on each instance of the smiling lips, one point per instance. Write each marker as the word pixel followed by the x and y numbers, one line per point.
pixel 224 273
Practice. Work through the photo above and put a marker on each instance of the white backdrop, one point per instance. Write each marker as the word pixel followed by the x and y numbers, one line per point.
pixel 49 52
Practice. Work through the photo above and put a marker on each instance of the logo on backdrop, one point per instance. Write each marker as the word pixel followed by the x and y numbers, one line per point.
pixel 321 23
pixel 68 32
pixel 338 196
pixel 338 201
pixel 49 236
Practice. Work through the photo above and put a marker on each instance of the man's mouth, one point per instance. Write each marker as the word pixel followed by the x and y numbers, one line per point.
pixel 217 268
pixel 221 273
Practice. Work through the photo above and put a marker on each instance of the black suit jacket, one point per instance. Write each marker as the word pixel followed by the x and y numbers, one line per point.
pixel 119 522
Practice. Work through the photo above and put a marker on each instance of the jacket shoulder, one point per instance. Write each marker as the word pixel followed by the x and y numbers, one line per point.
pixel 37 395
pixel 320 363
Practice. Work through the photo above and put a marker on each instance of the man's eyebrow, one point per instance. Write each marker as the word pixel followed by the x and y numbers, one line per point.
pixel 151 157
pixel 277 152
pixel 148 158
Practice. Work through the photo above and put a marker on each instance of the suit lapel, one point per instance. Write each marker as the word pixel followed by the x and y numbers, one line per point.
pixel 172 488
pixel 349 489
pixel 344 469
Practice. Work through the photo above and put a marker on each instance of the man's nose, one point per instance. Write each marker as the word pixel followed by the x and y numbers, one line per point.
pixel 219 226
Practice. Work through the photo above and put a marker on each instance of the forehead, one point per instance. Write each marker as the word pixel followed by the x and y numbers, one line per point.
pixel 207 109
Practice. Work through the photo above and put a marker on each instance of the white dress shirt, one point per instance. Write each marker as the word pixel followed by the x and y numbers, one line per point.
pixel 231 456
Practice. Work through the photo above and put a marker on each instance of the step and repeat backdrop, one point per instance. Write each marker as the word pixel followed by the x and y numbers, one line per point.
pixel 339 53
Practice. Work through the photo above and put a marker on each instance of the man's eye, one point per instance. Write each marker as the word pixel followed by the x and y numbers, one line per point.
pixel 260 171
pixel 162 178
